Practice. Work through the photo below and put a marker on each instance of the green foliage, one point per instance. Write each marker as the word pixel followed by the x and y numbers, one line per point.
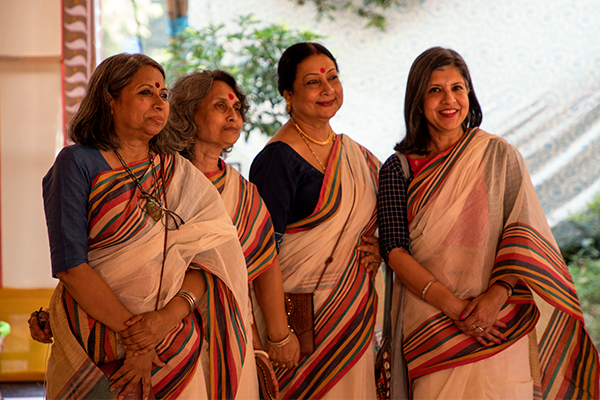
pixel 372 10
pixel 585 269
pixel 247 51
pixel 584 264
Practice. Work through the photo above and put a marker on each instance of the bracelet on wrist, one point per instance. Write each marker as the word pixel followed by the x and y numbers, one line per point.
pixel 426 288
pixel 507 286
pixel 283 342
pixel 189 296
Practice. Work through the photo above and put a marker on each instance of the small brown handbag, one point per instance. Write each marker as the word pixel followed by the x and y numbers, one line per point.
pixel 300 312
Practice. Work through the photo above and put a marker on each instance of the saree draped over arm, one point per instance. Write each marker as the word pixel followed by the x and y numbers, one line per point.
pixel 345 301
pixel 126 250
pixel 251 218
pixel 474 218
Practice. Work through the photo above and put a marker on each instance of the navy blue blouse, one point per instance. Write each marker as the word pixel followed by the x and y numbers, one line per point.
pixel 66 190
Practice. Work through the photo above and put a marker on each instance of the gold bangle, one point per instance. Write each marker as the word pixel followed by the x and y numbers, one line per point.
pixel 283 342
pixel 426 288
pixel 189 296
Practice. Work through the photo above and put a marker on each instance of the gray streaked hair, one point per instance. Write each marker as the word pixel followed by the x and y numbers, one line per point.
pixel 185 97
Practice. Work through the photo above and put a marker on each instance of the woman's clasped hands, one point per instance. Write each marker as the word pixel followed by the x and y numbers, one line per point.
pixel 479 318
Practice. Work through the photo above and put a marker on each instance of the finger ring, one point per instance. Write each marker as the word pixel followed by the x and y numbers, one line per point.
pixel 276 364
pixel 473 326
pixel 282 365
pixel 479 329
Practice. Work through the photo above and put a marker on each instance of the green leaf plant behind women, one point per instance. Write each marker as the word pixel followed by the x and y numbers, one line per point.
pixel 249 50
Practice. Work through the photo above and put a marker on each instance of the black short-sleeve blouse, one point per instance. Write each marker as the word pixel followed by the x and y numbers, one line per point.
pixel 289 185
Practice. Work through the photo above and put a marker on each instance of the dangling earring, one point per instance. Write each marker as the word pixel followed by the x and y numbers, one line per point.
pixel 288 106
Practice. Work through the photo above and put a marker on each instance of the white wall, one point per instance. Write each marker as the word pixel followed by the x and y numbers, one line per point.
pixel 30 133
pixel 535 66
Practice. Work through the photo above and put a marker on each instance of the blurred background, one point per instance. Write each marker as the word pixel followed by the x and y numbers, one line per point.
pixel 535 66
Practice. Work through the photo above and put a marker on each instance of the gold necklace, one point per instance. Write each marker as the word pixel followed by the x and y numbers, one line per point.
pixel 305 136
pixel 313 153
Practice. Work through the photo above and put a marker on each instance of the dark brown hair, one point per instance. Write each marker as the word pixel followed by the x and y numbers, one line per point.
pixel 185 97
pixel 417 135
pixel 294 55
pixel 92 125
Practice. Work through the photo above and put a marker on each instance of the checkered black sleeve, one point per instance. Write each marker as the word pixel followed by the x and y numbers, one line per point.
pixel 391 208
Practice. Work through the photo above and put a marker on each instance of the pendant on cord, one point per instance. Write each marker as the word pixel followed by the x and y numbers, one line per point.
pixel 154 210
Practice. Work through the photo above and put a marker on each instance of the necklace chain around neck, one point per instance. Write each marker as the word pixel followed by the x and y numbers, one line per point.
pixel 153 204
pixel 306 137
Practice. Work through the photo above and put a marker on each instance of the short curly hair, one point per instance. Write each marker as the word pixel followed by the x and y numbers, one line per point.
pixel 185 97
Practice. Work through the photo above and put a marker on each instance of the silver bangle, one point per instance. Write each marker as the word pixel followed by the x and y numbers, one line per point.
pixel 189 296
pixel 283 342
pixel 426 288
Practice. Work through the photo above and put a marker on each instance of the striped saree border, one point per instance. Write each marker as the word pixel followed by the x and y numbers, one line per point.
pixel 345 322
pixel 226 338
pixel 330 195
pixel 568 359
pixel 343 331
pixel 438 344
pixel 427 181
pixel 251 218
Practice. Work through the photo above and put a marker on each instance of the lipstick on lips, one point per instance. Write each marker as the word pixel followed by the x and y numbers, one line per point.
pixel 449 113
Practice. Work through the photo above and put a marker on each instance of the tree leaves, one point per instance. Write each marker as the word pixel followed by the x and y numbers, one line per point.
pixel 249 51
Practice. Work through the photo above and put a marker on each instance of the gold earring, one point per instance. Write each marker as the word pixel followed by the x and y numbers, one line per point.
pixel 288 107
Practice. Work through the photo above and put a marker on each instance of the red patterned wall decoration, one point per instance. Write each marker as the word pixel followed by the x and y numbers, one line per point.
pixel 78 52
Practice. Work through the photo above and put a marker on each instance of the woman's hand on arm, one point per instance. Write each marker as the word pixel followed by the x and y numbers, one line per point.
pixel 372 257
pixel 145 331
pixel 268 287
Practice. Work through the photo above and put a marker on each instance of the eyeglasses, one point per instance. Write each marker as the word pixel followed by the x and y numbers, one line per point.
pixel 153 207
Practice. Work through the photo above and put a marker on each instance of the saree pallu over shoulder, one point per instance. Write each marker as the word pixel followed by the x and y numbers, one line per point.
pixel 345 302
pixel 475 205
pixel 126 250
pixel 251 218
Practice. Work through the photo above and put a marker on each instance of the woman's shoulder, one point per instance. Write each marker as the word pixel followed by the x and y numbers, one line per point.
pixel 78 157
pixel 79 152
pixel 497 143
pixel 392 164
pixel 279 154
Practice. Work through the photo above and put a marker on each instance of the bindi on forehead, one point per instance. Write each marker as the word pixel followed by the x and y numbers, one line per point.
pixel 230 96
pixel 157 85
pixel 322 70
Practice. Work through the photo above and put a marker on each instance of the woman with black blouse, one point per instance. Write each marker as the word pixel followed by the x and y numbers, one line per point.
pixel 321 191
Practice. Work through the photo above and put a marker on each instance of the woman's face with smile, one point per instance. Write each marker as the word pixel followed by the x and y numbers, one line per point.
pixel 317 91
pixel 446 102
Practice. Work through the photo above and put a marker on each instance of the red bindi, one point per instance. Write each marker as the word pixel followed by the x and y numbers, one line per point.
pixel 322 70
pixel 230 96
pixel 157 85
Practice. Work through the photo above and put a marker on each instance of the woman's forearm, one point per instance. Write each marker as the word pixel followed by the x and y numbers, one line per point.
pixel 95 296
pixel 268 287
pixel 415 277
pixel 178 307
